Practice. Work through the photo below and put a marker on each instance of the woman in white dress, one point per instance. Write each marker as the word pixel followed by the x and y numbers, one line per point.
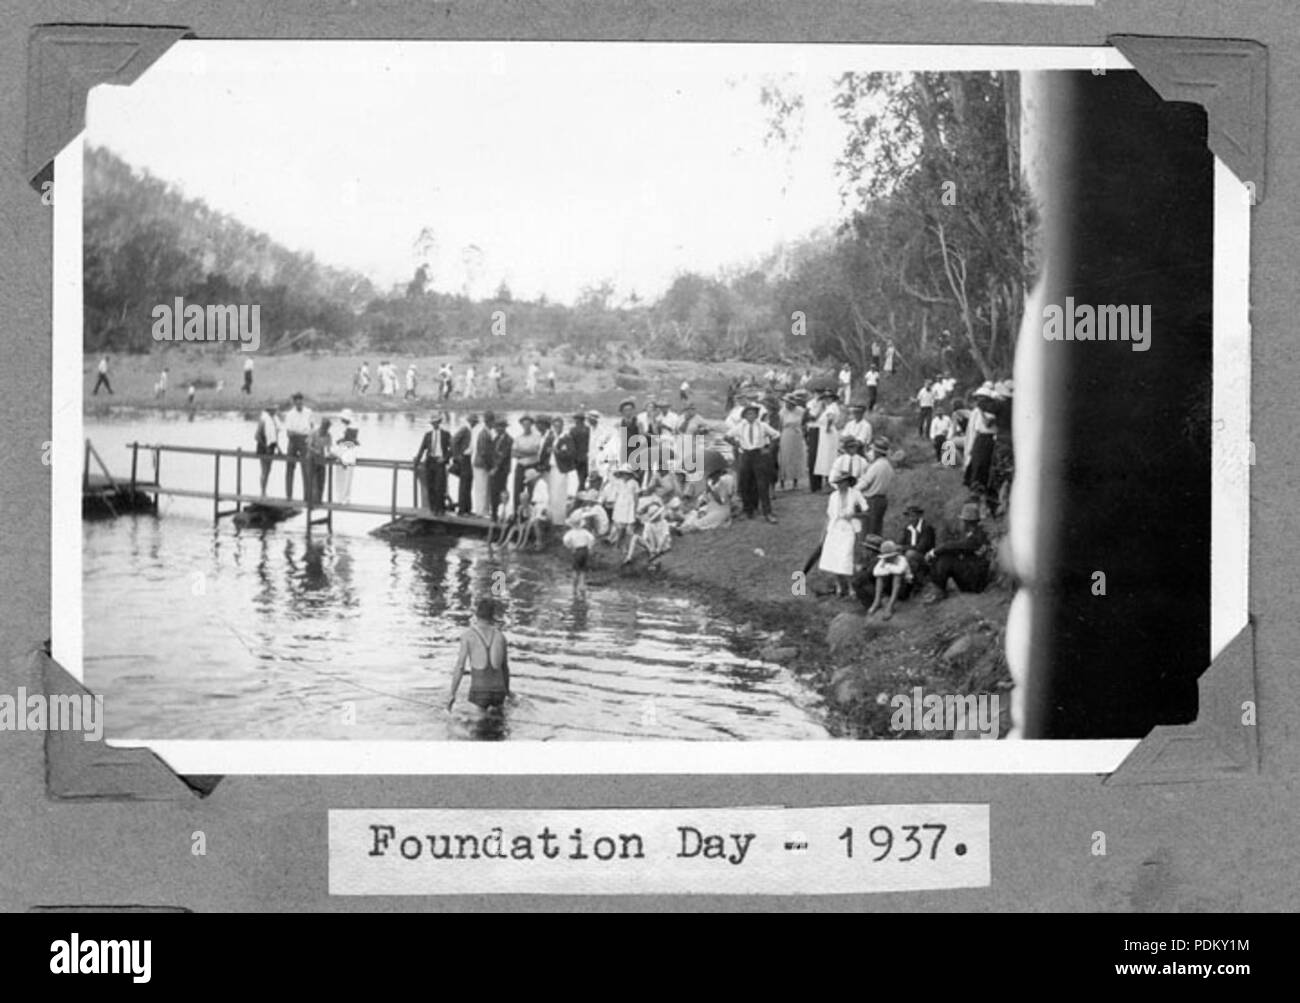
pixel 557 480
pixel 828 438
pixel 714 508
pixel 839 546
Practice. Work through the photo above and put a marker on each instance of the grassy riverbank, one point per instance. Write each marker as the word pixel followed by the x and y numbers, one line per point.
pixel 326 382
pixel 749 571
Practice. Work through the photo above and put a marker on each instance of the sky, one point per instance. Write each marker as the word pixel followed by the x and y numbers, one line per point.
pixel 549 166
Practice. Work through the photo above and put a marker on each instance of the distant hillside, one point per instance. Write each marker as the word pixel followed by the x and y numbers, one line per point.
pixel 145 243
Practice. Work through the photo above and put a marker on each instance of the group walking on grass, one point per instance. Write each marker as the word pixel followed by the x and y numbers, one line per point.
pixel 472 383
pixel 655 472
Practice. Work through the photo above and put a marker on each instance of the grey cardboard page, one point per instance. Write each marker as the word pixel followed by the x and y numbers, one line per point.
pixel 99 828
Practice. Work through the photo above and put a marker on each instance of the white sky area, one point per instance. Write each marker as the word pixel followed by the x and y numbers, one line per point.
pixel 563 164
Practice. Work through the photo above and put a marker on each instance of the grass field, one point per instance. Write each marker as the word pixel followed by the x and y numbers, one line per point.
pixel 326 382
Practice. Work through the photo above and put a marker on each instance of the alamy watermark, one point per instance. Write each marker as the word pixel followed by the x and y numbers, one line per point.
pixel 1085 322
pixel 178 321
pixel 921 711
pixel 60 712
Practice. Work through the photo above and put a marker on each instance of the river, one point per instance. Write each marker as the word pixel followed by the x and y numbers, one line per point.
pixel 196 632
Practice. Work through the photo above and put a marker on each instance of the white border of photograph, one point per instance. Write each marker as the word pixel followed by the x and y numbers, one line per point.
pixel 1229 544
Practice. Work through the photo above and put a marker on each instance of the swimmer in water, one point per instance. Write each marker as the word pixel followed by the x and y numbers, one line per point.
pixel 483 646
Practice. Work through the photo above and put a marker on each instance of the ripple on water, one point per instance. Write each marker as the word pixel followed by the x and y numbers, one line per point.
pixel 192 633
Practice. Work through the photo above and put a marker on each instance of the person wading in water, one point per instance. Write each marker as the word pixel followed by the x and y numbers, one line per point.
pixel 483 646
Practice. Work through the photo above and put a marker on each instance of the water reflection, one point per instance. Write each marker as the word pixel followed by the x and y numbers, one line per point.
pixel 195 633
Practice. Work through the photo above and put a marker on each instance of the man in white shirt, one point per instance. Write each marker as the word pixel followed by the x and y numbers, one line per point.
pixel 102 379
pixel 857 426
pixel 872 379
pixel 925 400
pixel 846 381
pixel 530 381
pixel 753 443
pixel 850 462
pixel 940 432
pixel 298 424
pixel 248 376
pixel 267 440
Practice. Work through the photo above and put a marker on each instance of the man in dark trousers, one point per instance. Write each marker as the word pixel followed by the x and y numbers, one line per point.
pixel 435 453
pixel 964 558
pixel 502 450
pixel 916 540
pixel 752 440
pixel 874 484
pixel 580 433
pixel 462 464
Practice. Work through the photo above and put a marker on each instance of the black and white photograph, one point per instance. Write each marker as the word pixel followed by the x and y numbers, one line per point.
pixel 823 397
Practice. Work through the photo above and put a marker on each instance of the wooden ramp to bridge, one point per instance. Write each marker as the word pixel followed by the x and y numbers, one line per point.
pixel 102 493
pixel 274 509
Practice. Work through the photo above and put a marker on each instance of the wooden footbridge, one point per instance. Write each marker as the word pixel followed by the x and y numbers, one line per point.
pixel 103 492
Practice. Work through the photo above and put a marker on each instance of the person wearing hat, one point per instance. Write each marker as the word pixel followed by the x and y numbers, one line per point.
pixel 857 425
pixel 624 494
pixel 482 460
pixel 320 447
pixel 632 431
pixel 432 457
pixel 534 511
pixel 872 380
pixel 586 523
pixel 916 540
pixel 527 453
pixel 874 483
pixel 266 441
pixel 828 437
pixel 752 440
pixel 846 382
pixel 890 572
pixel 688 450
pixel 940 432
pixel 298 425
pixel 925 408
pixel 963 557
pixel 839 544
pixel 345 451
pixel 557 467
pixel 462 463
pixel 792 457
pixel 851 461
pixel 499 477
pixel 713 510
pixel 981 428
pixel 580 436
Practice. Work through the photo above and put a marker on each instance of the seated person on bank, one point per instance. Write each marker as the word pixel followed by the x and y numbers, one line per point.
pixel 891 571
pixel 916 540
pixel 964 558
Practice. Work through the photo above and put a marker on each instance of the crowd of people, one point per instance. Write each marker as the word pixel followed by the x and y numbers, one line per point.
pixel 470 384
pixel 655 472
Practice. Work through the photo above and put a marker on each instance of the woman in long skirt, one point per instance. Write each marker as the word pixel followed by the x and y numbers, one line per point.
pixel 792 456
pixel 839 546
pixel 828 439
